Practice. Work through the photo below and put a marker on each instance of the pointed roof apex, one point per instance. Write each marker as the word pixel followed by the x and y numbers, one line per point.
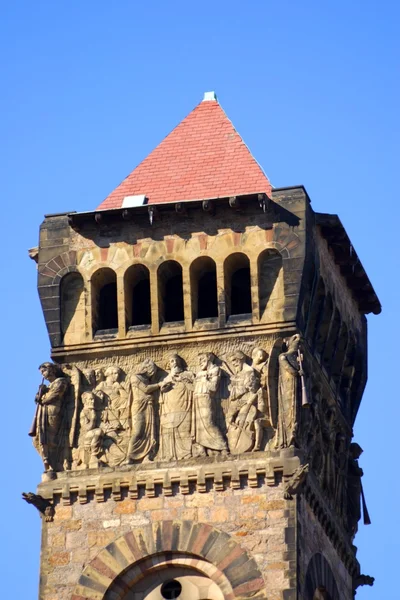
pixel 204 157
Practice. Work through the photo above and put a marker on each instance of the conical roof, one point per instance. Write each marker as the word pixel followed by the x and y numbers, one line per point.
pixel 203 157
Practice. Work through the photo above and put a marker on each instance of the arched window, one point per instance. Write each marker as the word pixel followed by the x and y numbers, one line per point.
pixel 170 292
pixel 270 279
pixel 72 307
pixel 320 582
pixel 237 285
pixel 104 301
pixel 137 296
pixel 203 280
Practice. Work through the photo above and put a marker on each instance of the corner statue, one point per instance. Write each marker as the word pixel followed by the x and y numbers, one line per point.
pixel 46 424
pixel 289 373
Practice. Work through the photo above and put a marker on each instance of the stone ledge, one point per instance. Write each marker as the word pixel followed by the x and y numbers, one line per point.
pixel 81 486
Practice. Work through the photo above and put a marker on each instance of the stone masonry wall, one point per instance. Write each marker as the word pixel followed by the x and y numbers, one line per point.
pixel 259 520
pixel 312 539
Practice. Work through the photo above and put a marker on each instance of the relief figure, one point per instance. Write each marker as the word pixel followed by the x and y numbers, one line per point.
pixel 142 430
pixel 176 412
pixel 206 435
pixel 247 417
pixel 289 373
pixel 115 416
pixel 237 380
pixel 91 434
pixel 46 426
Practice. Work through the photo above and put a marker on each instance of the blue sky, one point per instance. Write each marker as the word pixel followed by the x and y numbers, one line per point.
pixel 89 88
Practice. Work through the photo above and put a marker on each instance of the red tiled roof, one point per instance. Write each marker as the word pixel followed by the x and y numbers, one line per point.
pixel 203 157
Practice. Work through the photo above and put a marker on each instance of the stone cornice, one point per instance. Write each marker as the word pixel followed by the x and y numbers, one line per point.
pixel 195 474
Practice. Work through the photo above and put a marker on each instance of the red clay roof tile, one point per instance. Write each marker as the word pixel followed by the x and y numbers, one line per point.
pixel 203 157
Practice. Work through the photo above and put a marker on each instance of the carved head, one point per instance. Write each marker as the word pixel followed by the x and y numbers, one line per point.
pixel 99 375
pixel 112 374
pixel 176 363
pixel 49 370
pixel 148 367
pixel 88 399
pixel 238 359
pixel 205 359
pixel 293 343
pixel 259 356
pixel 355 450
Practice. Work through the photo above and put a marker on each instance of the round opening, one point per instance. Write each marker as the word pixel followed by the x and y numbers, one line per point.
pixel 171 589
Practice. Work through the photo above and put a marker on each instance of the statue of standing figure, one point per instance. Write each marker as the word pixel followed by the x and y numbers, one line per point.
pixel 206 435
pixel 176 411
pixel 289 374
pixel 46 425
pixel 142 431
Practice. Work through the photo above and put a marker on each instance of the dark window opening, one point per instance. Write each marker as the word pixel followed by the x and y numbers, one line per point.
pixel 171 589
pixel 104 301
pixel 173 300
pixel 240 292
pixel 141 309
pixel 237 284
pixel 170 292
pixel 108 310
pixel 207 304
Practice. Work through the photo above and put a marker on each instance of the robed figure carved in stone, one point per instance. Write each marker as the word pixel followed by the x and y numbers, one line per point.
pixel 115 417
pixel 47 422
pixel 206 435
pixel 142 431
pixel 176 411
pixel 289 372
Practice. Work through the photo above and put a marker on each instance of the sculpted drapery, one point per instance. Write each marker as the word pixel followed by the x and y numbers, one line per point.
pixel 142 431
pixel 125 418
pixel 47 422
pixel 205 433
pixel 176 412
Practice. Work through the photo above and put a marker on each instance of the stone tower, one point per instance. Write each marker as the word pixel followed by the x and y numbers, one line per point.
pixel 209 351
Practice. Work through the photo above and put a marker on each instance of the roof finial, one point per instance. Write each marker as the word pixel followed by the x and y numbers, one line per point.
pixel 210 96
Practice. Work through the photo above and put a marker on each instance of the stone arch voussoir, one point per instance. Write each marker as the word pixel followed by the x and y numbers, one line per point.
pixel 234 567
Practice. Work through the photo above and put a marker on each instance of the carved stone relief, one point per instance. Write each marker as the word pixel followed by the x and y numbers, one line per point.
pixel 109 415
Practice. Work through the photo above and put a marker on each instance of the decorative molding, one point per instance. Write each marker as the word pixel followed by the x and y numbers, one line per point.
pixel 151 479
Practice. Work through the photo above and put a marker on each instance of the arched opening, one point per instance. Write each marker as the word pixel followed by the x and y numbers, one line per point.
pixel 170 292
pixel 104 302
pixel 237 285
pixel 174 583
pixel 72 308
pixel 270 281
pixel 196 569
pixel 137 296
pixel 320 582
pixel 203 283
